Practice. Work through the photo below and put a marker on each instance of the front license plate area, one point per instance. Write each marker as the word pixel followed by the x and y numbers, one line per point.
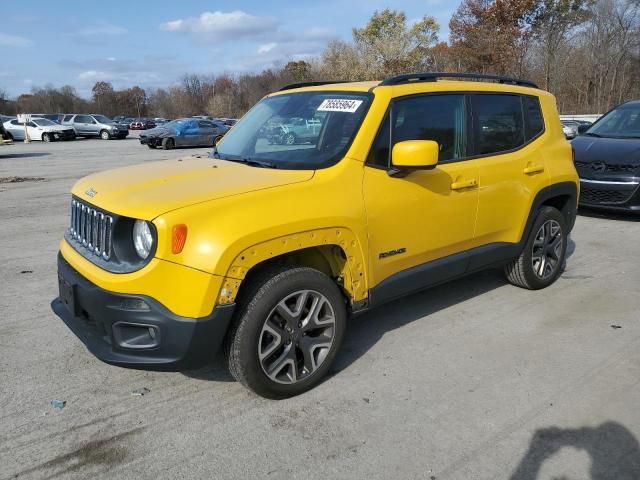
pixel 67 295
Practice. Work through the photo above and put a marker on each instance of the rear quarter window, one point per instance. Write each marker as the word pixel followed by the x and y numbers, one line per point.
pixel 498 123
pixel 533 120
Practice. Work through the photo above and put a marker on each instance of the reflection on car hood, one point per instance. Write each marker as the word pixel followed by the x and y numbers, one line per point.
pixel 613 151
pixel 148 190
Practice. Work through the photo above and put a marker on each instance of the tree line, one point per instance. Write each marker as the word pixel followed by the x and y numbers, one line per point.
pixel 586 52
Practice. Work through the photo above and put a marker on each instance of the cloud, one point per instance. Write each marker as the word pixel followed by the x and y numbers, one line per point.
pixel 145 71
pixel 101 29
pixel 7 40
pixel 267 47
pixel 223 26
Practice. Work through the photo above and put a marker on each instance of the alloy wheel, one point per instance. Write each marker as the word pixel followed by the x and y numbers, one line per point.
pixel 547 248
pixel 296 337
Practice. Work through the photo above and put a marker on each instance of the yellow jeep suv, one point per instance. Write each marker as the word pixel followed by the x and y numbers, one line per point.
pixel 268 247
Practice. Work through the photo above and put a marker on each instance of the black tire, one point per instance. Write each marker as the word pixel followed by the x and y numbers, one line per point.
pixel 523 271
pixel 256 303
pixel 9 136
pixel 168 143
pixel 104 135
pixel 46 137
pixel 217 139
pixel 151 146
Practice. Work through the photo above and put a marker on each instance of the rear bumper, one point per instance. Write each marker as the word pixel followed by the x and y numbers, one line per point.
pixel 136 331
pixel 621 195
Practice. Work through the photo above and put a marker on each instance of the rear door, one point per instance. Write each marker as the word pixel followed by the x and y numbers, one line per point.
pixel 16 129
pixel 207 132
pixel 512 169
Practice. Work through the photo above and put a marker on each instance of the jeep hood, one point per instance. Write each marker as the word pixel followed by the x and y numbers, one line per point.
pixel 151 189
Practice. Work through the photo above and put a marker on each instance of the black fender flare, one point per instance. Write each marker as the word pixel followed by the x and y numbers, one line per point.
pixel 545 196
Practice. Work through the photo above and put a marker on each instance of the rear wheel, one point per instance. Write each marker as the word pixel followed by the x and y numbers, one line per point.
pixel 151 146
pixel 289 326
pixel 543 258
pixel 46 137
pixel 168 143
pixel 104 135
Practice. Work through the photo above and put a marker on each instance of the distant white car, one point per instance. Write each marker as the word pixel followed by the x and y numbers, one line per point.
pixel 39 129
pixel 569 129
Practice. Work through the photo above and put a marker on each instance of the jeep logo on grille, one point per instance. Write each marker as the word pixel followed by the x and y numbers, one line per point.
pixel 598 167
pixel 91 192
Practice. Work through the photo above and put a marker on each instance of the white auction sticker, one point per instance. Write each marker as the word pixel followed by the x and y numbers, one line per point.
pixel 339 105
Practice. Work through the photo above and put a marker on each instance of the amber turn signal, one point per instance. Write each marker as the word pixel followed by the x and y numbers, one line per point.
pixel 178 238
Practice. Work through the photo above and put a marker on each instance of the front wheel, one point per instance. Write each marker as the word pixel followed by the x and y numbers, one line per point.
pixel 290 138
pixel 104 135
pixel 216 139
pixel 46 137
pixel 168 143
pixel 289 326
pixel 544 255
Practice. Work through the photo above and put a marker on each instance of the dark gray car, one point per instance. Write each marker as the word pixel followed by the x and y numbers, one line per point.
pixel 94 125
pixel 184 132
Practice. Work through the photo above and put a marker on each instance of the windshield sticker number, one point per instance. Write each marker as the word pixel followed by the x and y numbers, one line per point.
pixel 339 105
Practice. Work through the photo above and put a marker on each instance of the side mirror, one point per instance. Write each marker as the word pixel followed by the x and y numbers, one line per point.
pixel 583 128
pixel 413 155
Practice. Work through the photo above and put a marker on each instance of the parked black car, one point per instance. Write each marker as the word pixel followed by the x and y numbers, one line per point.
pixel 607 157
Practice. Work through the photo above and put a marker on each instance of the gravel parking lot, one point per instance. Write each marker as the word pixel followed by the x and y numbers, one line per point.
pixel 475 379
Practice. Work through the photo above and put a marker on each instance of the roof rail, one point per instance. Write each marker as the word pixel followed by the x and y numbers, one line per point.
pixel 434 76
pixel 308 84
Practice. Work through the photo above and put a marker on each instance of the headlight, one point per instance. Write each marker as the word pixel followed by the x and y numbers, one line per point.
pixel 142 238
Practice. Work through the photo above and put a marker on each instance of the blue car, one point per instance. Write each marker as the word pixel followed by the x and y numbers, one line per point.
pixel 184 132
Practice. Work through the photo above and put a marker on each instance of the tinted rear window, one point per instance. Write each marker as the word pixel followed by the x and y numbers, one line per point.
pixel 534 123
pixel 498 123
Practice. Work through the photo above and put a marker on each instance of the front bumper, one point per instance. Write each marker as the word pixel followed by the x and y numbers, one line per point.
pixel 136 331
pixel 618 195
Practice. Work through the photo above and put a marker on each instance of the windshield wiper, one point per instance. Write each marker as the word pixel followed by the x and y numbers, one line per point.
pixel 592 134
pixel 249 161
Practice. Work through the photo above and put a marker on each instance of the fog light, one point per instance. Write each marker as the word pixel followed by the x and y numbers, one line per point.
pixel 136 336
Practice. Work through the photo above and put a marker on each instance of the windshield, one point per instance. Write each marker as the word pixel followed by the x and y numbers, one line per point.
pixel 623 122
pixel 102 119
pixel 297 131
pixel 43 122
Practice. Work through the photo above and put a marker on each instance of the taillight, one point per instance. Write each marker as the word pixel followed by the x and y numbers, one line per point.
pixel 178 238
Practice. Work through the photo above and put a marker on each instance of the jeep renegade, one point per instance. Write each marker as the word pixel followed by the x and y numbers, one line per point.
pixel 267 248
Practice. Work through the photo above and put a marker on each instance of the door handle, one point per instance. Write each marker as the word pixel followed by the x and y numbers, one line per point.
pixel 464 184
pixel 533 169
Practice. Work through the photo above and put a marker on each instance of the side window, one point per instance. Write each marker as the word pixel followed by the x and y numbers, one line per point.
pixel 204 124
pixel 82 119
pixel 440 118
pixel 15 122
pixel 67 118
pixel 534 123
pixel 498 123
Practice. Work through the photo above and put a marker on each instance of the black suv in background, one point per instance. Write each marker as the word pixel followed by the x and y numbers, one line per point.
pixel 607 157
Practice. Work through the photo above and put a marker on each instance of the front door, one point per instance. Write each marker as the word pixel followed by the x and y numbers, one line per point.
pixel 427 214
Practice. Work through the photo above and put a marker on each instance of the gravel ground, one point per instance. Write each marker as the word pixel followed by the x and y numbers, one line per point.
pixel 475 379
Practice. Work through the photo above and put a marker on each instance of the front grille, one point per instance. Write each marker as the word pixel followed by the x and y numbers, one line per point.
pixel 92 229
pixel 590 195
pixel 605 167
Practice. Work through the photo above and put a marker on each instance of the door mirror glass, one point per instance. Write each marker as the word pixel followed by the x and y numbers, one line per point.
pixel 415 155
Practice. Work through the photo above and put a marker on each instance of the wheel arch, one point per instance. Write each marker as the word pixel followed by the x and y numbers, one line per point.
pixel 562 196
pixel 335 252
